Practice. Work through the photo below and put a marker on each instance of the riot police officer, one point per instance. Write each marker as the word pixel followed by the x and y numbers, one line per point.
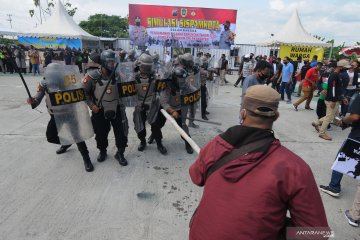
pixel 148 105
pixel 110 111
pixel 180 86
pixel 203 78
pixel 131 56
pixel 156 59
pixel 94 63
pixel 122 55
pixel 52 135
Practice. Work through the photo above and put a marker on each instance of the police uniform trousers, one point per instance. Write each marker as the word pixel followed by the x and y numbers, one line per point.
pixel 102 127
pixel 155 127
pixel 53 137
pixel 181 120
pixel 203 90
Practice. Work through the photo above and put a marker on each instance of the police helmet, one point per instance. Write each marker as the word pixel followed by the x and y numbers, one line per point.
pixel 145 63
pixel 203 62
pixel 108 59
pixel 156 57
pixel 131 53
pixel 95 57
pixel 186 60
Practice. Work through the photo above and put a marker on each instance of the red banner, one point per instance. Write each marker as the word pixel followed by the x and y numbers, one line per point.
pixel 151 25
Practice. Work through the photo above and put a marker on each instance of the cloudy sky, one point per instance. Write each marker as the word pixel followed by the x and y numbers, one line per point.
pixel 256 19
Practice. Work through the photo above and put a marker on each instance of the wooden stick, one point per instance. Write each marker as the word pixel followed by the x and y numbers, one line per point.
pixel 181 131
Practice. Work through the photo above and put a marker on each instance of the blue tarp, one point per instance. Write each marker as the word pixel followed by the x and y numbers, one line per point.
pixel 47 42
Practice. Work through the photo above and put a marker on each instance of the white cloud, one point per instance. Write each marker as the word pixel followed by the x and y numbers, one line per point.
pixel 277 5
pixel 256 20
pixel 351 8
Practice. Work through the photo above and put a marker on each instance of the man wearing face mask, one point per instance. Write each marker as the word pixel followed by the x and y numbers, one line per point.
pixel 110 111
pixel 181 84
pixel 251 180
pixel 138 34
pixel 334 96
pixel 262 72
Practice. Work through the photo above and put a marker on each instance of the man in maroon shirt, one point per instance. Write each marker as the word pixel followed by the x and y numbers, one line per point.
pixel 249 196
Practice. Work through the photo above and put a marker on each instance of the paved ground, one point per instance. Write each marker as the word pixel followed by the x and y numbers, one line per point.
pixel 45 196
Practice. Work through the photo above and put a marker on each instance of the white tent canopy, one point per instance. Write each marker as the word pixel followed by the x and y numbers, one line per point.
pixel 62 25
pixel 294 34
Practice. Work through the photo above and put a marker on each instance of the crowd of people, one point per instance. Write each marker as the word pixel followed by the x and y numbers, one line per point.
pixel 229 158
pixel 305 79
pixel 174 86
pixel 337 85
pixel 29 59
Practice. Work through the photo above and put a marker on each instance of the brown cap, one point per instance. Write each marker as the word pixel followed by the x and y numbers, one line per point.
pixel 262 100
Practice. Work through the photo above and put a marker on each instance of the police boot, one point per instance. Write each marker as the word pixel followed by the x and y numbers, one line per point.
pixel 203 116
pixel 62 149
pixel 102 156
pixel 161 147
pixel 188 148
pixel 87 163
pixel 120 157
pixel 193 125
pixel 142 145
pixel 150 139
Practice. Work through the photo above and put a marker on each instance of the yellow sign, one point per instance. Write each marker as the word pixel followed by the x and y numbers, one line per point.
pixel 160 85
pixel 67 97
pixel 70 80
pixel 191 98
pixel 294 52
pixel 127 89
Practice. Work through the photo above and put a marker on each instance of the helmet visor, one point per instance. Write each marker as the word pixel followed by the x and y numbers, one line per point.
pixel 146 68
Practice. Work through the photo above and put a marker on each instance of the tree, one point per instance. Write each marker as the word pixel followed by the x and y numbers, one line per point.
pixel 43 12
pixel 6 41
pixel 335 50
pixel 106 26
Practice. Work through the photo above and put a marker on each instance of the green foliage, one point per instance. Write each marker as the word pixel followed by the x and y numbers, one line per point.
pixel 50 4
pixel 180 51
pixel 335 51
pixel 6 41
pixel 106 26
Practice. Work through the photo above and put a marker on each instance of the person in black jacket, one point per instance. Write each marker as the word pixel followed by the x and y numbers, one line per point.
pixel 303 70
pixel 334 96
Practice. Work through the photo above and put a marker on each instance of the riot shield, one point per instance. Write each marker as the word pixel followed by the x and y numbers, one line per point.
pixel 67 102
pixel 145 94
pixel 126 84
pixel 154 110
pixel 190 89
pixel 162 77
pixel 213 82
pixel 164 71
pixel 190 96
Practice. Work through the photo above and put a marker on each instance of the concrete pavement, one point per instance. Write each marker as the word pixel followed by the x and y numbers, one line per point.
pixel 45 196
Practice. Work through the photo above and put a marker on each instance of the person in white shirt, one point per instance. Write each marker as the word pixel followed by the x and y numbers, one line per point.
pixel 167 57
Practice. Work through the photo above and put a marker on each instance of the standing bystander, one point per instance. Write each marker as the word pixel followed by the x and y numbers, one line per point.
pixel 286 76
pixel 251 180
